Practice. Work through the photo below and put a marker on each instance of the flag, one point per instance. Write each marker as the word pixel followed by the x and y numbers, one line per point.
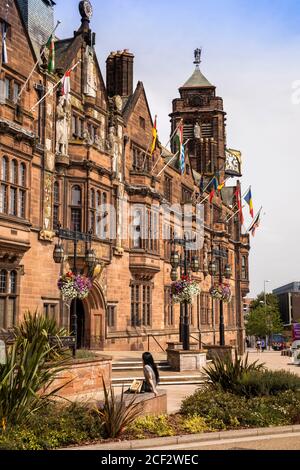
pixel 154 134
pixel 4 48
pixel 51 59
pixel 248 199
pixel 221 186
pixel 214 188
pixel 239 202
pixel 182 159
pixel 255 224
pixel 66 83
pixel 179 141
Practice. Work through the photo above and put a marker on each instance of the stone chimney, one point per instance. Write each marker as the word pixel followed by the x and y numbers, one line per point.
pixel 119 73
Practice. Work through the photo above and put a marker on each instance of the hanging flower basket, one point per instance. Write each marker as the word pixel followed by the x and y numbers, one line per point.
pixel 74 286
pixel 184 290
pixel 222 292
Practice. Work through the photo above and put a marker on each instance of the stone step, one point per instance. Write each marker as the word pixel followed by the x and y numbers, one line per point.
pixel 161 383
pixel 136 365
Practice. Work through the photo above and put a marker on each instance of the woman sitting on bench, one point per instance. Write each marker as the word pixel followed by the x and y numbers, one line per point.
pixel 151 374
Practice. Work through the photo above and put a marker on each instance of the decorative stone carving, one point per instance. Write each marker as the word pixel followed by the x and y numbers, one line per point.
pixel 47 232
pixel 90 87
pixel 118 103
pixel 99 142
pixel 63 119
pixel 197 131
pixel 87 138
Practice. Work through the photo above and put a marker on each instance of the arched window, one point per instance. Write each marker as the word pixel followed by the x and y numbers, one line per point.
pixel 22 175
pixel 14 172
pixel 3 277
pixel 76 209
pixel 13 282
pixel 92 203
pixel 4 169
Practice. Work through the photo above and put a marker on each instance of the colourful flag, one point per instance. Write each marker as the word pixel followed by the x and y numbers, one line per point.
pixel 239 202
pixel 182 159
pixel 255 224
pixel 66 83
pixel 4 48
pixel 179 141
pixel 221 186
pixel 154 134
pixel 51 48
pixel 248 199
pixel 214 186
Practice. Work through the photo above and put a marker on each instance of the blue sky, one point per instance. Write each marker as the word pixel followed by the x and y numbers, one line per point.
pixel 251 52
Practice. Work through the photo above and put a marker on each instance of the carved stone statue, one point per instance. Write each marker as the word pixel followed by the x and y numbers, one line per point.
pixel 197 131
pixel 63 120
pixel 87 139
pixel 118 103
pixel 110 142
pixel 99 143
pixel 90 87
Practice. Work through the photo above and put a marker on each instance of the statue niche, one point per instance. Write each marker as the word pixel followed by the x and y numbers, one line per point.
pixel 90 87
pixel 63 120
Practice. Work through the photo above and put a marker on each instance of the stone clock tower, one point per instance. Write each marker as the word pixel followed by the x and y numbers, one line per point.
pixel 204 122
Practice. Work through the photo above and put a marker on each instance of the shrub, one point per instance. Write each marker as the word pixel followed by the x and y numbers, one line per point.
pixel 223 410
pixel 195 424
pixel 156 425
pixel 117 414
pixel 264 383
pixel 54 426
pixel 226 372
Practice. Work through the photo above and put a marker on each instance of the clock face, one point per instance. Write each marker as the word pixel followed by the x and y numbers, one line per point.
pixel 233 164
pixel 88 9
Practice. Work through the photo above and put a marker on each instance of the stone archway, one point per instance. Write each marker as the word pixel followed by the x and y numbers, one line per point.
pixel 96 324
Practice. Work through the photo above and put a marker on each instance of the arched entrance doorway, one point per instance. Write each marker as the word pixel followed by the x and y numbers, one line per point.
pixel 82 339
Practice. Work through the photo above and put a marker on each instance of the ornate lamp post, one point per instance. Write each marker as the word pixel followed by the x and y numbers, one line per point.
pixel 213 269
pixel 90 261
pixel 185 265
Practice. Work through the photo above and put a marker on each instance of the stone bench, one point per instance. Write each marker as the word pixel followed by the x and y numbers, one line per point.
pixel 152 405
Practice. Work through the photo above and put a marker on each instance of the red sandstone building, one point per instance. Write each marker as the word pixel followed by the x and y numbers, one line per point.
pixel 64 160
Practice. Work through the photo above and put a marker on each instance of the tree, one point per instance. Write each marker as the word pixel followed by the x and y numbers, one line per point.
pixel 263 321
pixel 272 301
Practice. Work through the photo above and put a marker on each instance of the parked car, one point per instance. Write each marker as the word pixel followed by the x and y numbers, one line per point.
pixel 279 342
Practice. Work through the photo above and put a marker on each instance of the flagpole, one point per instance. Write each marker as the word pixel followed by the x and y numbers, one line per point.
pixel 228 220
pixel 167 144
pixel 167 164
pixel 235 205
pixel 53 88
pixel 36 64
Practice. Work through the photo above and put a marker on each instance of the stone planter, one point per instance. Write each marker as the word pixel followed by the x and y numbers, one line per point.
pixel 180 360
pixel 218 351
pixel 83 378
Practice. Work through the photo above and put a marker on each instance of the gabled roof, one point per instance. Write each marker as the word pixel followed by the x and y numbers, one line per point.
pixel 132 101
pixel 197 80
pixel 66 50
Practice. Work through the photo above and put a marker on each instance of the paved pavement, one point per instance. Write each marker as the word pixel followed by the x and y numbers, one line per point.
pixel 274 361
pixel 284 441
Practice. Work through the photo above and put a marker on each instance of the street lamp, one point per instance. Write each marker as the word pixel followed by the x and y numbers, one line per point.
pixel 220 255
pixel 265 302
pixel 185 265
pixel 90 261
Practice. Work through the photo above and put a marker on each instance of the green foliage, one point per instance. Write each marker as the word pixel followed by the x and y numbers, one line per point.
pixel 26 377
pixel 225 372
pixel 52 427
pixel 35 326
pixel 156 425
pixel 223 410
pixel 264 383
pixel 196 424
pixel 264 320
pixel 271 299
pixel 117 413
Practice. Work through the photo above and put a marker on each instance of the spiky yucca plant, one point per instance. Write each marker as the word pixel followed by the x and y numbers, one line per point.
pixel 35 325
pixel 227 372
pixel 116 413
pixel 25 380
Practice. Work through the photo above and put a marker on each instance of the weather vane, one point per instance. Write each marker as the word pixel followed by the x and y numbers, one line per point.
pixel 197 54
